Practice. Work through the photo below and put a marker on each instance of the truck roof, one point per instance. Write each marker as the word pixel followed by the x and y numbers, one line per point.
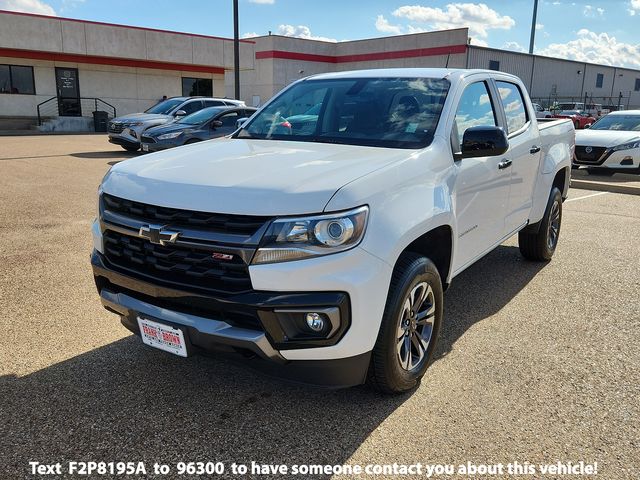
pixel 450 73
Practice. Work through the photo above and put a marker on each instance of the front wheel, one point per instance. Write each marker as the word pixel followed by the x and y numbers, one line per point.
pixel 410 325
pixel 541 245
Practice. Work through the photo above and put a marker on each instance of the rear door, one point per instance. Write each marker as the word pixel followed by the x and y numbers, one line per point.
pixel 482 187
pixel 524 152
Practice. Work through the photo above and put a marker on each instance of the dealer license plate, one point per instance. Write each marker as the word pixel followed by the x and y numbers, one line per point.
pixel 163 337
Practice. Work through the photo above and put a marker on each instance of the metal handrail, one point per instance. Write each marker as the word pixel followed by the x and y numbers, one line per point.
pixel 54 101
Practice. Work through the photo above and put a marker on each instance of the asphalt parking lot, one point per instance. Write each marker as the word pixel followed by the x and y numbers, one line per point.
pixel 538 363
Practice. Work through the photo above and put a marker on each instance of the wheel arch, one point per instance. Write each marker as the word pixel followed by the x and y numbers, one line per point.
pixel 437 245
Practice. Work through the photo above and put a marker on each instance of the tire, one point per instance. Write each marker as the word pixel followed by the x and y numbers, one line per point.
pixel 541 245
pixel 393 367
pixel 130 149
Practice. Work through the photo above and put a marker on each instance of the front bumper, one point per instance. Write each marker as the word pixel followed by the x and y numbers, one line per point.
pixel 128 137
pixel 616 160
pixel 159 145
pixel 221 324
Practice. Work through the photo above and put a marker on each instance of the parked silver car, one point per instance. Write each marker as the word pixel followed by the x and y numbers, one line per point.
pixel 127 130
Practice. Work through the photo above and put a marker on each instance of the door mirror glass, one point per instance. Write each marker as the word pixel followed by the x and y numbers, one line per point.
pixel 180 113
pixel 588 125
pixel 484 141
pixel 216 124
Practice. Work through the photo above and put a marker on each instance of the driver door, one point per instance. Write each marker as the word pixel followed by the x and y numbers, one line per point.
pixel 482 185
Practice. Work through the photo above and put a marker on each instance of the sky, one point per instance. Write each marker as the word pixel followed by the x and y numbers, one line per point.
pixel 598 31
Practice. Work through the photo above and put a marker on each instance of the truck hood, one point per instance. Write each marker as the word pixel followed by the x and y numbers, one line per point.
pixel 248 177
pixel 604 138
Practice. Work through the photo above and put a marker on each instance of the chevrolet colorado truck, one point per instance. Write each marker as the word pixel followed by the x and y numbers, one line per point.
pixel 322 252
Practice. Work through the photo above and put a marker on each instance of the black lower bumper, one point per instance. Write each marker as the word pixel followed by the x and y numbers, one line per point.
pixel 123 142
pixel 243 325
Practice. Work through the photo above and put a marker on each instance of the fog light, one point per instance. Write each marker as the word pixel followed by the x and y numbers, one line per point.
pixel 315 322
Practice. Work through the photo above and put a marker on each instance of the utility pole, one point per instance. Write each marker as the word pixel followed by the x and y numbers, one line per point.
pixel 236 50
pixel 533 26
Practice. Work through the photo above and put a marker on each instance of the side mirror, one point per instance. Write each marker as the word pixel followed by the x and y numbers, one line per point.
pixel 216 124
pixel 180 113
pixel 241 121
pixel 484 142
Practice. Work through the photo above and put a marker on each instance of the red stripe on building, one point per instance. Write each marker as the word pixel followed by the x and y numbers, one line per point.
pixel 115 61
pixel 362 57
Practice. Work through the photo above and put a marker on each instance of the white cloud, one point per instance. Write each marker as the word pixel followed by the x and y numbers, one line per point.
pixel 592 12
pixel 383 25
pixel 301 31
pixel 539 26
pixel 27 6
pixel 477 41
pixel 250 35
pixel 634 6
pixel 595 48
pixel 477 16
pixel 70 5
pixel 514 46
pixel 263 2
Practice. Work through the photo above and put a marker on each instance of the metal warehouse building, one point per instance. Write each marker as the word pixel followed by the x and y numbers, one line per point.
pixel 65 68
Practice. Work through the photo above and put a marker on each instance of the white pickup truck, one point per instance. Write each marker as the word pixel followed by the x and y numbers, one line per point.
pixel 321 247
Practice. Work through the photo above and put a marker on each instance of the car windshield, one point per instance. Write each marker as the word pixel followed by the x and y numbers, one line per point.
pixel 201 116
pixel 629 123
pixel 164 107
pixel 381 112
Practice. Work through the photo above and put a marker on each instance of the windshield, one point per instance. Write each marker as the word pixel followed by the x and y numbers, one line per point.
pixel 201 116
pixel 381 112
pixel 164 107
pixel 628 123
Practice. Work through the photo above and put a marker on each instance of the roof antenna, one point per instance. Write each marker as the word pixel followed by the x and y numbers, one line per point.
pixel 448 57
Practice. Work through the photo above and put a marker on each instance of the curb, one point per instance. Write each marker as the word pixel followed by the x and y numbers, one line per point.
pixel 605 187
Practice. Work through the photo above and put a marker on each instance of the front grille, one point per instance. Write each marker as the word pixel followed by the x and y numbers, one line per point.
pixel 589 157
pixel 179 265
pixel 115 127
pixel 210 222
pixel 145 139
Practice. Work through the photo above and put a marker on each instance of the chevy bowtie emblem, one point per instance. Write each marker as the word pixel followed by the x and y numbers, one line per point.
pixel 158 234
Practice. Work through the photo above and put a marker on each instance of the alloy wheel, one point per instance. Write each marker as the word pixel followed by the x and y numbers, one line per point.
pixel 415 326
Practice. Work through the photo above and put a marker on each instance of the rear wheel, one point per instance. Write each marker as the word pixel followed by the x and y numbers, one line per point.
pixel 410 326
pixel 541 245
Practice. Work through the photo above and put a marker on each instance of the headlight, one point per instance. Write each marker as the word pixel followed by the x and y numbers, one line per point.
pixel 627 146
pixel 169 136
pixel 133 124
pixel 297 238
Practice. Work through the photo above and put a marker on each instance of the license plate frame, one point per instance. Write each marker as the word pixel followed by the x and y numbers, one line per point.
pixel 163 337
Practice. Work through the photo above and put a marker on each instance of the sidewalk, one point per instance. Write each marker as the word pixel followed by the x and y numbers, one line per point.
pixel 618 183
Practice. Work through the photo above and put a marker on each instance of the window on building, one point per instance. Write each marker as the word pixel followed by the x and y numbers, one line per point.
pixel 599 80
pixel 637 87
pixel 494 65
pixel 197 87
pixel 475 109
pixel 513 103
pixel 17 79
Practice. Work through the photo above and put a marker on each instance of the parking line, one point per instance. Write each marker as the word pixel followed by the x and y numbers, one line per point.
pixel 586 196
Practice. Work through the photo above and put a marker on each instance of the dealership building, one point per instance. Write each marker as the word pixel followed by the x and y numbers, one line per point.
pixel 60 67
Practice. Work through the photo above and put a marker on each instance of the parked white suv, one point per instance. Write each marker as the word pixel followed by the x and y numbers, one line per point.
pixel 127 130
pixel 323 251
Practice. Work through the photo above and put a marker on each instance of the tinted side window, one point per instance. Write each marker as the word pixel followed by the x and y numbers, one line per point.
pixel 513 104
pixel 475 109
pixel 191 107
pixel 229 119
pixel 213 103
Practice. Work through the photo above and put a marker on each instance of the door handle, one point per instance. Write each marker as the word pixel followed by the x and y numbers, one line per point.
pixel 534 149
pixel 504 164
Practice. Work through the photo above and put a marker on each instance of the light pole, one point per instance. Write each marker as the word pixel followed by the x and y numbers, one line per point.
pixel 533 26
pixel 236 50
